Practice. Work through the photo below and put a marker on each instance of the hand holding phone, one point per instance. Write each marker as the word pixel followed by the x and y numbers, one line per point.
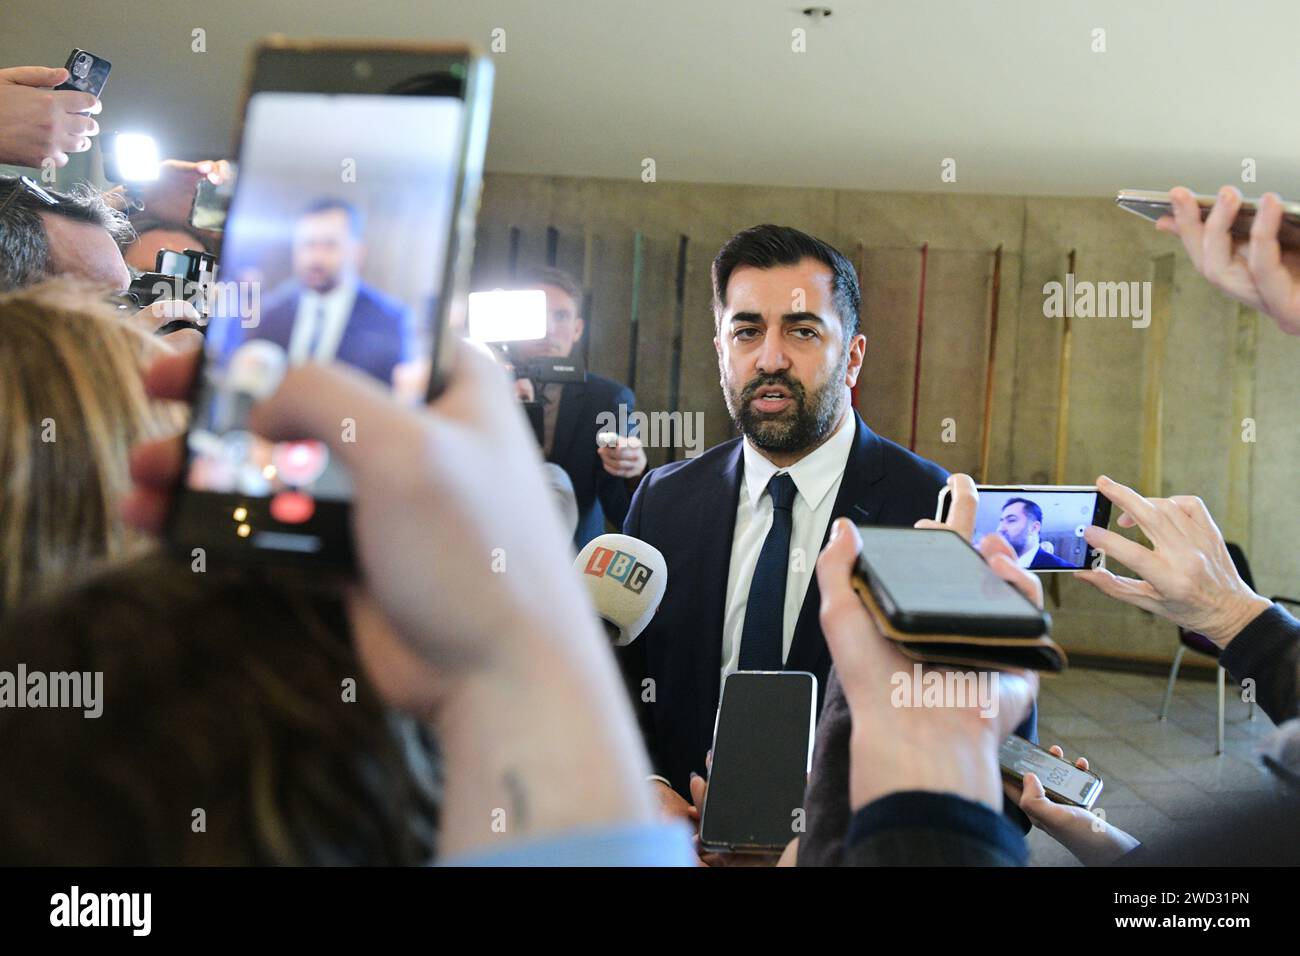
pixel 1248 249
pixel 36 126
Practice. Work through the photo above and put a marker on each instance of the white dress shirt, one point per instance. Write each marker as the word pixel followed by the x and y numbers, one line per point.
pixel 817 478
pixel 320 323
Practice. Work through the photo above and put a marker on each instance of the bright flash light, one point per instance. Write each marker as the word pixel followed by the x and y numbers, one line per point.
pixel 137 156
pixel 502 316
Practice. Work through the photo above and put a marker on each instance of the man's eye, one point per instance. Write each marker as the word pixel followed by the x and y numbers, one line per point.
pixel 746 333
pixel 805 333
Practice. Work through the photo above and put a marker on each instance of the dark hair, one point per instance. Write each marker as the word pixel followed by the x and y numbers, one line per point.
pixel 222 691
pixel 549 275
pixel 356 221
pixel 768 246
pixel 1034 512
pixel 24 245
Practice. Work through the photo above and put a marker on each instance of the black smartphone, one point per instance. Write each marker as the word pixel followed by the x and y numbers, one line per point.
pixel 348 240
pixel 1062 780
pixel 1150 204
pixel 933 582
pixel 212 202
pixel 86 72
pixel 762 752
pixel 1044 524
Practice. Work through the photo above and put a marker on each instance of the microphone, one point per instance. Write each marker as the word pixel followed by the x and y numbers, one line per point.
pixel 626 579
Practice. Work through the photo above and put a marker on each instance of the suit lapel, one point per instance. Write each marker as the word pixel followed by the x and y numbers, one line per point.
pixel 715 524
pixel 860 499
pixel 566 420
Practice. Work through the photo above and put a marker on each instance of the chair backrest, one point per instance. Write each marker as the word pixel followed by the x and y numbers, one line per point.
pixel 1199 642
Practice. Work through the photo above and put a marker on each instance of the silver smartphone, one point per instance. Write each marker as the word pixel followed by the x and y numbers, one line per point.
pixel 1063 781
pixel 1044 524
pixel 1152 204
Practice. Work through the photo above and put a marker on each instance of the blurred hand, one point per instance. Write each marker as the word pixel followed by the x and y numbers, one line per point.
pixel 623 457
pixel 1258 271
pixel 1092 840
pixel 409 502
pixel 940 749
pixel 672 806
pixel 1188 578
pixel 170 197
pixel 38 122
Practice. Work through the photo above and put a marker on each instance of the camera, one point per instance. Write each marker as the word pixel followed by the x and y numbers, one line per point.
pixel 188 276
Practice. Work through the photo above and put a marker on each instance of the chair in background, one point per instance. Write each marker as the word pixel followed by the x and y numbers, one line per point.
pixel 1190 640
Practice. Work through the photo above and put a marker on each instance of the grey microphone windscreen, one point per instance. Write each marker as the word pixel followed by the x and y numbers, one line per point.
pixel 626 579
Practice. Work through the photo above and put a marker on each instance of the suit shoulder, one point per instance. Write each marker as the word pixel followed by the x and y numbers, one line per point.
pixel 381 300
pixel 602 388
pixel 898 459
pixel 675 474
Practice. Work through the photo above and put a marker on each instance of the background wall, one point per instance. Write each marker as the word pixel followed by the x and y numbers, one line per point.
pixel 1159 408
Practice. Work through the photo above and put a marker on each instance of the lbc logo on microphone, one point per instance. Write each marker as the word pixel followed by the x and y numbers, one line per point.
pixel 619 565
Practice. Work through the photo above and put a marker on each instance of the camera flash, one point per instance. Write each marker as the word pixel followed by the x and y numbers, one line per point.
pixel 137 156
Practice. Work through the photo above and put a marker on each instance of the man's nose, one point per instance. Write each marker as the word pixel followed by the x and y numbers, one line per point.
pixel 772 357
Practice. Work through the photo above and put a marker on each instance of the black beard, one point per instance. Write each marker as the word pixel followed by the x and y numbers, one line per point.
pixel 804 426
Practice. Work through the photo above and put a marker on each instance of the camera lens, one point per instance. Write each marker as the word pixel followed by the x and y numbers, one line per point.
pixel 81 66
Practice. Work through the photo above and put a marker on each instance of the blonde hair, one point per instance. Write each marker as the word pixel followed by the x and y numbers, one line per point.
pixel 72 403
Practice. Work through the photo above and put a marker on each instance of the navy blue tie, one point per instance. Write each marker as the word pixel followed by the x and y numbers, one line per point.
pixel 761 642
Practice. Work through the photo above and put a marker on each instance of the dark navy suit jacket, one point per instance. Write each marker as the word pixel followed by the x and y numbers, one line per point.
pixel 600 495
pixel 377 336
pixel 688 511
pixel 1045 559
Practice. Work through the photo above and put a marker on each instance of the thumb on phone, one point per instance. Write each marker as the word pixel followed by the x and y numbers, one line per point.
pixel 38 76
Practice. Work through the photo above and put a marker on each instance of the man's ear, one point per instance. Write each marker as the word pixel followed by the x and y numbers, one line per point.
pixel 857 355
pixel 581 325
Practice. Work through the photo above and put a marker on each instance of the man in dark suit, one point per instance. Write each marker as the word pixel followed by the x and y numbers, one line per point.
pixel 325 312
pixel 1021 523
pixel 571 412
pixel 741 525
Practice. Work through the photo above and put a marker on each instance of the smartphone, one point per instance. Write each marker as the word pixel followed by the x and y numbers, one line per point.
pixel 86 72
pixel 933 582
pixel 1044 524
pixel 1063 781
pixel 348 240
pixel 762 752
pixel 212 203
pixel 1150 204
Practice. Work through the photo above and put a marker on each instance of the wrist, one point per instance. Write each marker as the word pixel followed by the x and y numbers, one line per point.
pixel 1235 617
pixel 881 764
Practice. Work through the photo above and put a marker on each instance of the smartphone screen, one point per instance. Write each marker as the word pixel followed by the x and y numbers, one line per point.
pixel 1043 524
pixel 212 202
pixel 934 582
pixel 1060 778
pixel 762 750
pixel 337 247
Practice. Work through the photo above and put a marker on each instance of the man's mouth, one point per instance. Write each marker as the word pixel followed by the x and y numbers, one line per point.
pixel 771 399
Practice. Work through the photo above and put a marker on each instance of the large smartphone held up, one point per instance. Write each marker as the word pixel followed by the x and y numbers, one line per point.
pixel 348 239
pixel 87 73
pixel 1063 781
pixel 1044 524
pixel 1150 204
pixel 762 752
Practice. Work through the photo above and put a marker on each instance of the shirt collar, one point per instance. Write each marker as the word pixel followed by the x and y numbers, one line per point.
pixel 814 474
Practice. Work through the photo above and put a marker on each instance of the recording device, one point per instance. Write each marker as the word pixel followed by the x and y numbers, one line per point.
pixel 212 203
pixel 87 73
pixel 933 595
pixel 762 752
pixel 1151 204
pixel 187 276
pixel 626 579
pixel 547 369
pixel 1044 524
pixel 1062 780
pixel 344 145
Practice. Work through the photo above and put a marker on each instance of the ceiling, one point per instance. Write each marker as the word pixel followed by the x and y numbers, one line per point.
pixel 711 90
